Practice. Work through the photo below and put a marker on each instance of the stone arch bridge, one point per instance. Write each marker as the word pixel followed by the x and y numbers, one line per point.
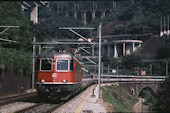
pixel 136 88
pixel 135 84
pixel 86 15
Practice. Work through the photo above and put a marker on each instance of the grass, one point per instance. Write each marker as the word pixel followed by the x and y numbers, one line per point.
pixel 123 104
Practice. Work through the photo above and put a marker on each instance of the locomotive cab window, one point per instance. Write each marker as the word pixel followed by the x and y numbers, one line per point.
pixel 46 64
pixel 62 65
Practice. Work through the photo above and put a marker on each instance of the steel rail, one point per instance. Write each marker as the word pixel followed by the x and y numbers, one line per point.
pixel 7 100
pixel 54 108
pixel 29 108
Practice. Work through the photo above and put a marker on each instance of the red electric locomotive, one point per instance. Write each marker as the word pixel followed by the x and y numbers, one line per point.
pixel 59 75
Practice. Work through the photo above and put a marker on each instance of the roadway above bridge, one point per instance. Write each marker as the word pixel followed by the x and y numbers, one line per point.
pixel 119 48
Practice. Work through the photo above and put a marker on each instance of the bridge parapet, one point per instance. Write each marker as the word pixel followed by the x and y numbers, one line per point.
pixel 135 84
pixel 132 78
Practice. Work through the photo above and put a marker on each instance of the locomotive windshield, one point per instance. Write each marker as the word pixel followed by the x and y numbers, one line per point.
pixel 46 64
pixel 62 65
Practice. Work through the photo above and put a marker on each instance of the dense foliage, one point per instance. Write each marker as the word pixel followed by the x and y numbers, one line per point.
pixel 51 22
pixel 140 16
pixel 150 99
pixel 12 15
pixel 131 61
pixel 164 50
pixel 15 56
pixel 163 99
pixel 111 61
pixel 15 60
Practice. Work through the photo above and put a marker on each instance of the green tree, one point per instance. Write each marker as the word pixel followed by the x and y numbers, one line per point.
pixel 131 61
pixel 15 56
pixel 150 100
pixel 164 50
pixel 12 15
pixel 109 61
pixel 163 99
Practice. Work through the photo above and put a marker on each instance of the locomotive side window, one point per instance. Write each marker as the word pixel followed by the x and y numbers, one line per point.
pixel 71 65
pixel 62 65
pixel 46 64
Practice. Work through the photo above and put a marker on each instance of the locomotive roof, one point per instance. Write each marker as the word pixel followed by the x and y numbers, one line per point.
pixel 54 54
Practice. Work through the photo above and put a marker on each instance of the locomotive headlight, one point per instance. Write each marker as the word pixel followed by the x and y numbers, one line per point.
pixel 64 81
pixel 42 80
pixel 53 75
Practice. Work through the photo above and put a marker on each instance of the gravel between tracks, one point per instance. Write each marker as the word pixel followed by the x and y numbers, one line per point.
pixel 69 107
pixel 41 109
pixel 13 107
pixel 72 105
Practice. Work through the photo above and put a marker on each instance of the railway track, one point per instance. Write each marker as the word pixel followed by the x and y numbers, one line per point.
pixel 55 107
pixel 35 105
pixel 41 107
pixel 46 107
pixel 29 108
pixel 8 100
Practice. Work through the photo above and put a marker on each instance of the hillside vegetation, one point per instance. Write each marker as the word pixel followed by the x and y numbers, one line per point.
pixel 111 94
pixel 15 56
pixel 129 17
pixel 142 16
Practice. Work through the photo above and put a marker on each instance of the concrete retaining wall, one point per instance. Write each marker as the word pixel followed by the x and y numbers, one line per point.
pixel 10 82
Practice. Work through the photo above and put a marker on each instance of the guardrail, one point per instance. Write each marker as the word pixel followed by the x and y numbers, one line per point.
pixel 131 78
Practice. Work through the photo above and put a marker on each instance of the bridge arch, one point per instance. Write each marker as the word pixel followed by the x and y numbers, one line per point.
pixel 88 16
pixel 150 87
pixel 147 89
pixel 136 88
pixel 70 13
pixel 107 12
pixel 79 15
pixel 98 14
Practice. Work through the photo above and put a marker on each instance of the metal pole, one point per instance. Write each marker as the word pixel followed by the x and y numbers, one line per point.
pixel 168 26
pixel 164 26
pixel 161 27
pixel 142 88
pixel 102 72
pixel 120 90
pixel 39 49
pixel 151 69
pixel 92 50
pixel 166 68
pixel 108 72
pixel 33 62
pixel 58 8
pixel 90 33
pixel 100 25
pixel 117 72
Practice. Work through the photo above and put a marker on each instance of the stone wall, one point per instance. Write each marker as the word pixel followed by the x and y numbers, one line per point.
pixel 10 82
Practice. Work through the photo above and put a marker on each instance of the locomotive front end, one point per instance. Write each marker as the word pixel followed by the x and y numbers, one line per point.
pixel 55 76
